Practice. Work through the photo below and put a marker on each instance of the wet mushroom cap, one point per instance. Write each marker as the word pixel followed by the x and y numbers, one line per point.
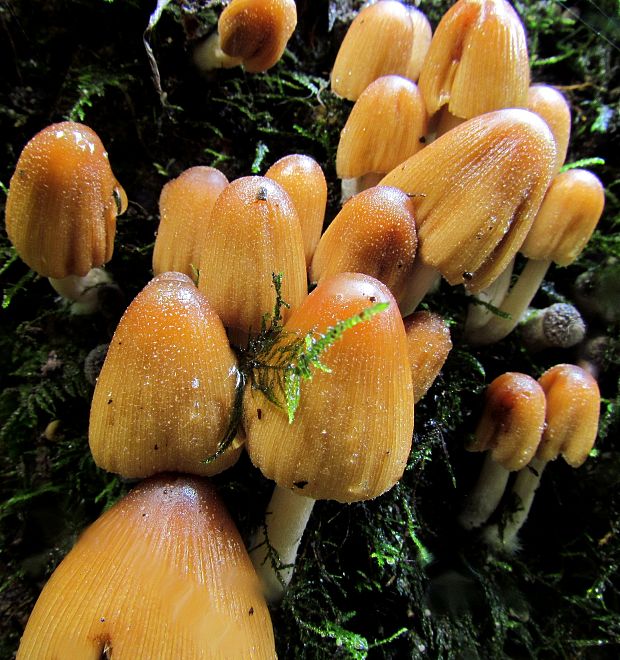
pixel 550 104
pixel 63 201
pixel 165 394
pixel 163 574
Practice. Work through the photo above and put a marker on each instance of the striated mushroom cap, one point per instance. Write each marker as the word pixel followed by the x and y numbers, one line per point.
pixel 257 31
pixel 386 126
pixel 551 105
pixel 512 422
pixel 254 231
pixel 63 201
pixel 476 191
pixel 185 206
pixel 303 179
pixel 374 234
pixel 567 217
pixel 164 398
pixel 428 343
pixel 163 574
pixel 477 61
pixel 421 42
pixel 377 43
pixel 573 403
pixel 352 432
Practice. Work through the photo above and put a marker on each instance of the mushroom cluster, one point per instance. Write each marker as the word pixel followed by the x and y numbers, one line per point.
pixel 264 331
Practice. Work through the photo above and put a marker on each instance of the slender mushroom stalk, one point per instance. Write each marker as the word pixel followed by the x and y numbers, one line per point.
pixel 254 231
pixel 185 206
pixel 303 179
pixel 509 431
pixel 571 425
pixel 252 33
pixel 476 191
pixel 163 574
pixel 338 446
pixel 477 61
pixel 61 210
pixel 558 326
pixel 386 126
pixel 165 395
pixel 374 234
pixel 428 343
pixel 569 213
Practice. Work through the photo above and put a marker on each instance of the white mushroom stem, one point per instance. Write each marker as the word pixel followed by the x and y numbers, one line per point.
pixel 423 279
pixel 486 494
pixel 503 535
pixel 275 545
pixel 514 304
pixel 479 314
pixel 82 291
pixel 208 55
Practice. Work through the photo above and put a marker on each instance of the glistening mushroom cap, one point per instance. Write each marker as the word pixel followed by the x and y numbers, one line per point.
pixel 63 201
pixel 164 398
pixel 163 574
pixel 352 432
pixel 550 104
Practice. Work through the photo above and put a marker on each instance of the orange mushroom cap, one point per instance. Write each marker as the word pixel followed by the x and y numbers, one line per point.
pixel 63 201
pixel 550 104
pixel 163 574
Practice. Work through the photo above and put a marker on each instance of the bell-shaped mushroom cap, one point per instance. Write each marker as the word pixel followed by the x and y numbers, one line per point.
pixel 512 422
pixel 421 41
pixel 254 232
pixel 185 206
pixel 164 398
pixel 304 181
pixel 352 432
pixel 63 201
pixel 374 234
pixel 257 31
pixel 567 217
pixel 386 126
pixel 573 403
pixel 377 43
pixel 163 574
pixel 477 61
pixel 476 191
pixel 428 342
pixel 551 105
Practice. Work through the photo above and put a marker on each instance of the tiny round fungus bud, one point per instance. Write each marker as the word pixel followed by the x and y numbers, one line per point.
pixel 477 61
pixel 62 205
pixel 303 179
pixel 257 31
pixel 162 574
pixel 185 206
pixel 558 326
pixel 374 234
pixel 509 431
pixel 164 397
pixel 428 342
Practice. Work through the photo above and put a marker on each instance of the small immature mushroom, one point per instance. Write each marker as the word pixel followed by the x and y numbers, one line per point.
pixel 558 326
pixel 254 231
pixel 162 574
pixel 386 126
pixel 561 229
pixel 385 38
pixel 164 397
pixel 429 342
pixel 509 431
pixel 253 33
pixel 303 179
pixel 551 105
pixel 476 191
pixel 374 234
pixel 61 210
pixel 477 61
pixel 571 425
pixel 185 206
pixel 352 432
